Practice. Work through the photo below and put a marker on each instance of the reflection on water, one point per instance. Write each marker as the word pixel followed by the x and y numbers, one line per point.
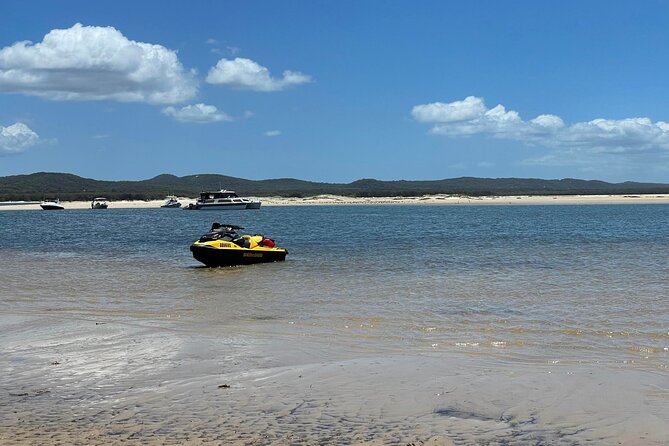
pixel 113 301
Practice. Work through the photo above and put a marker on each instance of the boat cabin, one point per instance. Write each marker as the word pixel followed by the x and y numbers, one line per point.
pixel 223 199
pixel 219 196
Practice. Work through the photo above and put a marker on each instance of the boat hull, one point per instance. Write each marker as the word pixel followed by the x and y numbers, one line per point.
pixel 52 207
pixel 215 257
pixel 217 207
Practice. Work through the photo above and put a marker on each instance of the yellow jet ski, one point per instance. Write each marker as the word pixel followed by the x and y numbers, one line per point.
pixel 223 246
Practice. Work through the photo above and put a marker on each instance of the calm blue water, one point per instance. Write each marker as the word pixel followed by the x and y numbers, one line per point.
pixel 538 281
pixel 409 238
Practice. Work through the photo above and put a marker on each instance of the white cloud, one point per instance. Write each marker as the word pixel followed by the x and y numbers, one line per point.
pixel 16 138
pixel 457 111
pixel 272 133
pixel 198 113
pixel 247 74
pixel 619 135
pixel 548 122
pixel 95 63
pixel 472 117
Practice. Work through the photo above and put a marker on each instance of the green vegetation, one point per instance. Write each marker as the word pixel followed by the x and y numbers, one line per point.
pixel 65 186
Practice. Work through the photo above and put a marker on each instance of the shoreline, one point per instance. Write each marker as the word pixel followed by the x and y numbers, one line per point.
pixel 327 200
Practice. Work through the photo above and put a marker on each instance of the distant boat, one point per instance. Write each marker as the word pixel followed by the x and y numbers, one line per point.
pixel 99 203
pixel 223 199
pixel 171 202
pixel 52 205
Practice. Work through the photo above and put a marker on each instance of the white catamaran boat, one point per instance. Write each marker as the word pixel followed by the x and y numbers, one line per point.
pixel 223 199
pixel 51 205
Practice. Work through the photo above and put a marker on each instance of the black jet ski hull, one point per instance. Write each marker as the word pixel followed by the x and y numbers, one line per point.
pixel 215 257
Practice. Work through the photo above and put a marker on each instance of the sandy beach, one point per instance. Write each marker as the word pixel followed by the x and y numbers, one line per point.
pixel 441 199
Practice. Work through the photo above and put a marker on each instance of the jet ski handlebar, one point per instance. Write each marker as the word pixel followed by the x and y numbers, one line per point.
pixel 217 225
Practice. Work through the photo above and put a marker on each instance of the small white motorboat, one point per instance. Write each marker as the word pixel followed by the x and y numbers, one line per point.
pixel 51 205
pixel 99 203
pixel 171 202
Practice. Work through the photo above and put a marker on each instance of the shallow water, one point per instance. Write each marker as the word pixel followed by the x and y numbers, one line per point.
pixel 480 324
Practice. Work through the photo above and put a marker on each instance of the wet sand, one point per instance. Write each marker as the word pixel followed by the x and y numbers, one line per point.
pixel 426 199
pixel 108 383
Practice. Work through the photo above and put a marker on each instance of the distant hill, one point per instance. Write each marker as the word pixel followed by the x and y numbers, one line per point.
pixel 66 186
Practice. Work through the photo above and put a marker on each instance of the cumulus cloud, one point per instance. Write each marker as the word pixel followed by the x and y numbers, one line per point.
pixel 247 74
pixel 95 63
pixel 272 133
pixel 457 111
pixel 16 138
pixel 197 113
pixel 471 117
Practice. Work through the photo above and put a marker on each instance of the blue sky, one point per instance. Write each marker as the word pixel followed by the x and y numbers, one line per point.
pixel 336 90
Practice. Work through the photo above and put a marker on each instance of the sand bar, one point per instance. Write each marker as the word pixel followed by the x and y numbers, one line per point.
pixel 441 199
